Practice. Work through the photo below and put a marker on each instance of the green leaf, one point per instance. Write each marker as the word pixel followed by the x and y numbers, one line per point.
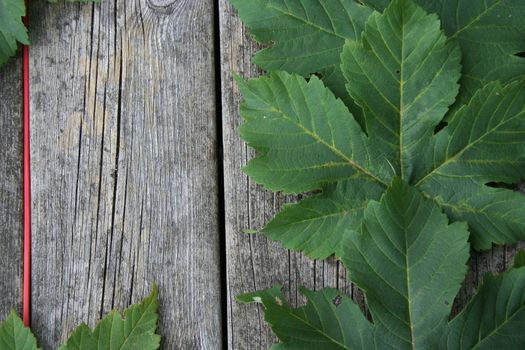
pixel 495 318
pixel 403 73
pixel 81 339
pixel 329 320
pixel 12 30
pixel 15 336
pixel 136 331
pixel 486 138
pixel 307 35
pixel 519 259
pixel 484 142
pixel 490 34
pixel 410 262
pixel 306 137
pixel 317 224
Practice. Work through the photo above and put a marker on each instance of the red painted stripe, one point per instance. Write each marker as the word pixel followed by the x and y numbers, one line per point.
pixel 26 286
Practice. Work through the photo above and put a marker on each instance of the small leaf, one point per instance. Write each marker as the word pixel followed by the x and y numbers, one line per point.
pixel 484 142
pixel 136 331
pixel 15 336
pixel 329 320
pixel 404 75
pixel 410 262
pixel 318 224
pixel 12 30
pixel 81 339
pixel 495 317
pixel 490 34
pixel 307 37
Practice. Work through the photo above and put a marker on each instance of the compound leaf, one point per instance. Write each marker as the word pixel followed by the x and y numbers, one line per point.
pixel 329 321
pixel 136 331
pixel 404 75
pixel 15 336
pixel 486 138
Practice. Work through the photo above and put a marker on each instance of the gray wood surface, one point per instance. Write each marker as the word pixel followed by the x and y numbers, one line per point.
pixel 10 187
pixel 125 166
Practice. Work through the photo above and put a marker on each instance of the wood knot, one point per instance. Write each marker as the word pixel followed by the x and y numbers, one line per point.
pixel 164 7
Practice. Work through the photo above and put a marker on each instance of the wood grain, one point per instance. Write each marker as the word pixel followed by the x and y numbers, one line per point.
pixel 125 166
pixel 11 187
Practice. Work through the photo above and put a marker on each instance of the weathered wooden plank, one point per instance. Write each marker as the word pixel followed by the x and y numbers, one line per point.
pixel 253 262
pixel 11 187
pixel 125 166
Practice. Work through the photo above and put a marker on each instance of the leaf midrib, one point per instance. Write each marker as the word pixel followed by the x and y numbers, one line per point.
pixel 324 216
pixel 401 134
pixel 409 298
pixel 401 96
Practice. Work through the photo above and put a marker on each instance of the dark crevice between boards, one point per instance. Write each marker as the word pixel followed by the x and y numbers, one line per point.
pixel 115 170
pixel 93 56
pixel 220 174
pixel 123 223
pixel 115 182
pixel 80 136
pixel 109 240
